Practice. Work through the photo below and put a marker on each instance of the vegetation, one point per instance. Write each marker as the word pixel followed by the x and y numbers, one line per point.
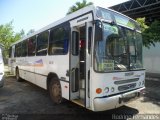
pixel 8 36
pixel 150 34
pixel 78 5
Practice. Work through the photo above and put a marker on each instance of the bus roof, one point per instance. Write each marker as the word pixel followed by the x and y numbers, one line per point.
pixel 67 18
pixel 64 19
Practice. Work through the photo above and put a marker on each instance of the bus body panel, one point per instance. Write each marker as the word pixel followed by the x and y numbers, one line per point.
pixel 116 80
pixel 107 103
pixel 36 69
pixel 115 83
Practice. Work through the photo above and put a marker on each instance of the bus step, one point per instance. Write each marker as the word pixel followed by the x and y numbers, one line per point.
pixel 79 102
pixel 82 93
pixel 82 83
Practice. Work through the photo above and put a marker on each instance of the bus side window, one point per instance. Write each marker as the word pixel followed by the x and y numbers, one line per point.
pixel 18 50
pixel 24 48
pixel 15 51
pixel 58 42
pixel 32 46
pixel 75 43
pixel 42 44
pixel 10 52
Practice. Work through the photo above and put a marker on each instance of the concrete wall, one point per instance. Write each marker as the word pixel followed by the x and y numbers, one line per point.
pixel 152 59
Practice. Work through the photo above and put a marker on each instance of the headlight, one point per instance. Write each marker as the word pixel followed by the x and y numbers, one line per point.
pixel 106 90
pixel 112 89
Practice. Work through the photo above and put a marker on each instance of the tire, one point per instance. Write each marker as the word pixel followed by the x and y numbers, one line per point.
pixel 55 91
pixel 17 76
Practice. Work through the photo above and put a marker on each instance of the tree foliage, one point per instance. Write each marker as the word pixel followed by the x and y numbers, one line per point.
pixel 78 5
pixel 150 34
pixel 8 36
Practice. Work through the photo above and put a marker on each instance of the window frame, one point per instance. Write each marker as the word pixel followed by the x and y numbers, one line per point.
pixel 26 45
pixel 66 34
pixel 18 46
pixel 37 45
pixel 31 38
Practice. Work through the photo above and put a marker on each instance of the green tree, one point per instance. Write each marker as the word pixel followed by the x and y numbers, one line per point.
pixel 8 36
pixel 150 34
pixel 78 5
pixel 142 24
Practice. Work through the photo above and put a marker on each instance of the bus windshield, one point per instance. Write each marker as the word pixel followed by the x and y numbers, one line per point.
pixel 119 50
pixel 120 19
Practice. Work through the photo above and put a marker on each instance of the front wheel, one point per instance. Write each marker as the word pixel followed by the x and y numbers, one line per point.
pixel 55 91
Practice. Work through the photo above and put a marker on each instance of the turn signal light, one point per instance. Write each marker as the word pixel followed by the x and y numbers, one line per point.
pixel 98 90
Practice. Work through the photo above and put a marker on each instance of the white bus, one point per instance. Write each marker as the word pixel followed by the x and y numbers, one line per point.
pixel 1 67
pixel 92 57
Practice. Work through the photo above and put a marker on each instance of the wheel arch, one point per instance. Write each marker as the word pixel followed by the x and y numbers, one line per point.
pixel 49 76
pixel 16 67
pixel 16 70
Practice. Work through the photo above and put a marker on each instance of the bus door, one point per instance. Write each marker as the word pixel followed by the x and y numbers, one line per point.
pixel 89 34
pixel 79 60
pixel 74 64
pixel 80 64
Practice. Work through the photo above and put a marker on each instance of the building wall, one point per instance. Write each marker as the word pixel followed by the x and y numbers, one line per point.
pixel 152 59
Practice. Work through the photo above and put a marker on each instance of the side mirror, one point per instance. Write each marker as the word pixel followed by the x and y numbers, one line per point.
pixel 75 43
pixel 98 31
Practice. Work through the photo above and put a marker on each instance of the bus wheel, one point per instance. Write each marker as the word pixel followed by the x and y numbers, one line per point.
pixel 55 91
pixel 17 75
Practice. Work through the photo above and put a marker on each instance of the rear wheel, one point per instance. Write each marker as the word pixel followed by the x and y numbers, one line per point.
pixel 55 91
pixel 17 75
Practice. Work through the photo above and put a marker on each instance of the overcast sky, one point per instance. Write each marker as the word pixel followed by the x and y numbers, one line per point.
pixel 35 14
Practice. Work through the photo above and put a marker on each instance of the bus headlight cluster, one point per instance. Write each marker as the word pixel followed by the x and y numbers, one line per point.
pixel 112 89
pixel 106 90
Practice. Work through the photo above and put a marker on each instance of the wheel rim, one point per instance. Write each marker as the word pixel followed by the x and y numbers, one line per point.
pixel 56 92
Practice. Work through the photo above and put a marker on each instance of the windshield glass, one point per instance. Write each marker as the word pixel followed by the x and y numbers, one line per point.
pixel 120 19
pixel 120 49
pixel 135 49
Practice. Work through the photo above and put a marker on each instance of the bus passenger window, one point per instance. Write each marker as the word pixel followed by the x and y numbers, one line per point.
pixel 10 52
pixel 31 46
pixel 42 44
pixel 24 50
pixel 58 43
pixel 18 50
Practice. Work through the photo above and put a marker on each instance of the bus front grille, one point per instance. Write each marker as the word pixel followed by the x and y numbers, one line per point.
pixel 127 87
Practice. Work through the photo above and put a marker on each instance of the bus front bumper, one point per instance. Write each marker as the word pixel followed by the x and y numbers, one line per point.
pixel 107 103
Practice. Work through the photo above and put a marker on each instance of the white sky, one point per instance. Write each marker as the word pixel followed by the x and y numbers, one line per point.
pixel 35 14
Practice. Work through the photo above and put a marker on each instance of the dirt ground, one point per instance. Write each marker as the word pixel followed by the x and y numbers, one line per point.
pixel 23 100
